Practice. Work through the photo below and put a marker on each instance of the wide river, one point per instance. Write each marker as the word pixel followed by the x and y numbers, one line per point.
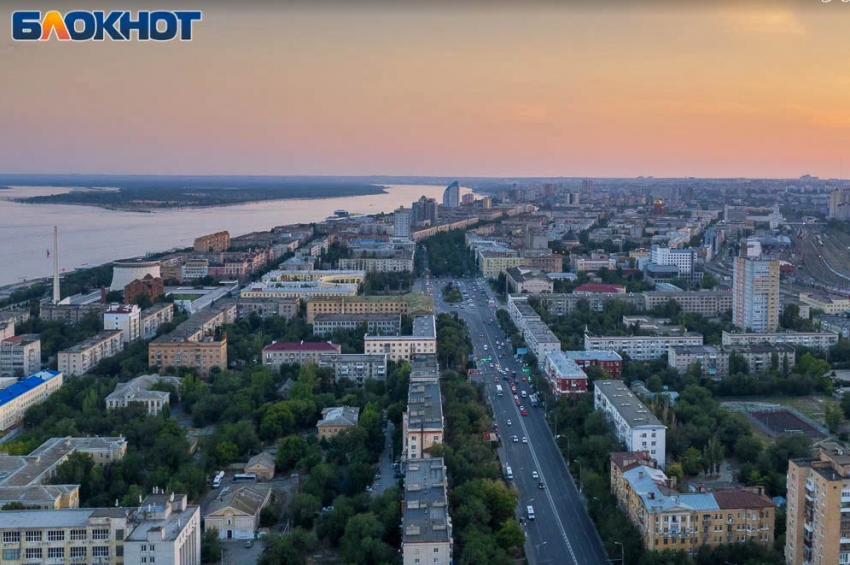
pixel 89 235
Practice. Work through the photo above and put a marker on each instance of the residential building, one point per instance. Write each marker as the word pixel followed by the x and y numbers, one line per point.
pixel 194 343
pixel 451 196
pixel 16 317
pixel 356 367
pixel 422 423
pixel 164 530
pixel 565 377
pixel 298 290
pixel 564 304
pixel 213 243
pixel 493 263
pixel 140 390
pixel 426 527
pixel 337 276
pixel 147 286
pixel 523 280
pixel 264 307
pixel 592 263
pixel 278 353
pixel 706 302
pixel 425 211
pixel 337 419
pixel 424 368
pixel 839 324
pixel 755 294
pixel 413 303
pixel 20 355
pixel 153 318
pixel 684 259
pixel 714 361
pixel 84 356
pixel 7 330
pixel 814 340
pixel 608 361
pixel 71 314
pixel 633 423
pixel 818 497
pixel 600 288
pixel 194 269
pixel 422 340
pixel 124 317
pixel 839 204
pixel 262 465
pixel 671 520
pixel 521 312
pixel 376 324
pixel 540 340
pixel 640 348
pixel 33 390
pixel 399 262
pixel 235 513
pixel 828 304
pixel 401 222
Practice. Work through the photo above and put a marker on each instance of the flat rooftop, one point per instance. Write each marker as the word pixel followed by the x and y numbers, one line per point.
pixel 567 368
pixel 627 404
pixel 424 366
pixel 196 322
pixel 357 318
pixel 600 355
pixel 92 341
pixel 424 406
pixel 425 518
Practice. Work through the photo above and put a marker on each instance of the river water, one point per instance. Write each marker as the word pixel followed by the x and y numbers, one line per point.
pixel 89 235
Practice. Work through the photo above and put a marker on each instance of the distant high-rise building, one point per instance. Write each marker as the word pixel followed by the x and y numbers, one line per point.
pixel 467 199
pixel 486 203
pixel 755 294
pixel 401 222
pixel 735 214
pixel 572 199
pixel 839 204
pixel 424 211
pixel 451 196
pixel 548 190
pixel 587 186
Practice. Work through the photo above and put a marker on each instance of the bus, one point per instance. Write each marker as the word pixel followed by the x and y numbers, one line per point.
pixel 499 391
pixel 530 511
pixel 244 478
pixel 217 479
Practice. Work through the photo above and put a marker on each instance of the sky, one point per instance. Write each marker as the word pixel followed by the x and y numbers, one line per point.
pixel 722 90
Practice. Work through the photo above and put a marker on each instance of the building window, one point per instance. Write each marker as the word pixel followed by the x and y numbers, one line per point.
pixel 56 553
pixel 33 535
pixel 78 535
pixel 32 553
pixel 119 535
pixel 100 551
pixel 11 537
pixel 11 554
pixel 56 535
pixel 100 534
pixel 79 552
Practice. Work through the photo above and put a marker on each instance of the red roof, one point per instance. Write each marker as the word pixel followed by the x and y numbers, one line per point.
pixel 740 498
pixel 303 346
pixel 600 288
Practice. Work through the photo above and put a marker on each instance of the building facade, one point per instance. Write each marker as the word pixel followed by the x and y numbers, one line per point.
pixel 397 348
pixel 706 302
pixel 213 243
pixel 264 307
pixel 814 340
pixel 277 354
pixel 755 294
pixel 71 314
pixel 565 377
pixel 376 324
pixel 139 390
pixel 151 319
pixel 426 536
pixel 124 317
pixel 641 348
pixel 20 355
pixel 149 286
pixel 84 356
pixel 414 303
pixel 422 424
pixel 356 367
pixel 634 424
pixel 33 390
pixel 608 361
pixel 337 419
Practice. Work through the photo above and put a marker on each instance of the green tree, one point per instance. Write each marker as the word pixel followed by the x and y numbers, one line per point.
pixel 834 417
pixel 210 546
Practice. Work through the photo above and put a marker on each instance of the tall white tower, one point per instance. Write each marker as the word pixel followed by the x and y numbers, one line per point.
pixel 56 296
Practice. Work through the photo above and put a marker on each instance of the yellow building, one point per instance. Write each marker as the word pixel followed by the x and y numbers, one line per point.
pixel 413 303
pixel 337 419
pixel 829 304
pixel 402 348
pixel 200 355
pixel 818 515
pixel 668 519
pixel 493 263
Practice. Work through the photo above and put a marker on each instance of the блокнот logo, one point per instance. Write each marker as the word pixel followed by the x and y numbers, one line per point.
pixel 118 25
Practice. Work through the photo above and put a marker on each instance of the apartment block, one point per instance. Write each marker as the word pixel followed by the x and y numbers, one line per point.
pixel 20 355
pixel 814 340
pixel 33 390
pixel 213 243
pixel 521 311
pixel 564 304
pixel 641 348
pixel 356 367
pixel 422 340
pixel 398 262
pixel 84 356
pixel 565 377
pixel 413 303
pixel 706 302
pixel 755 294
pixel 264 307
pixel 828 304
pixel 71 314
pixel 675 521
pixel 714 361
pixel 376 324
pixel 633 422
pixel 422 423
pixel 608 361
pixel 426 536
pixel 124 317
pixel 279 353
pixel 540 340
pixel 151 319
pixel 818 514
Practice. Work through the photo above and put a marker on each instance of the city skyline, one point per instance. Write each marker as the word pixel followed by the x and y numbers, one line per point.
pixel 715 92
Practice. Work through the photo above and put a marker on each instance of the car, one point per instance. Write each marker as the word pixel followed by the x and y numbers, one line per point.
pixel 524 439
pixel 496 379
pixel 521 407
pixel 368 489
pixel 509 422
pixel 524 379
pixel 535 475
pixel 515 439
pixel 523 412
pixel 377 476
pixel 249 543
pixel 540 485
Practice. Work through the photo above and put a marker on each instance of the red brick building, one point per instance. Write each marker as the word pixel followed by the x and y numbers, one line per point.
pixel 608 360
pixel 149 286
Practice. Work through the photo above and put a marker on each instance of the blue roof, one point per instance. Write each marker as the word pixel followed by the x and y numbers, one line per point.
pixel 10 393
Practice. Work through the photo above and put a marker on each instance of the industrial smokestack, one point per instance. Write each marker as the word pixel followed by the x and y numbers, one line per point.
pixel 56 296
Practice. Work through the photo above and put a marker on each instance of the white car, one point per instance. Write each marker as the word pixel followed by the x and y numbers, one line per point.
pixel 509 422
pixel 515 439
pixel 534 475
pixel 524 439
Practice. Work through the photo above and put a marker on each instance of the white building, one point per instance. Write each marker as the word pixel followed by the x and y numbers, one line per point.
pixel 633 422
pixel 35 389
pixel 755 294
pixel 139 390
pixel 20 355
pixel 164 530
pixel 356 367
pixel 641 348
pixel 426 537
pixel 398 348
pixel 235 513
pixel 540 340
pixel 84 356
pixel 814 340
pixel 401 222
pixel 124 317
pixel 682 258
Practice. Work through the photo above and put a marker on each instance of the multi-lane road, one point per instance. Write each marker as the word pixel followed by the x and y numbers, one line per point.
pixel 562 532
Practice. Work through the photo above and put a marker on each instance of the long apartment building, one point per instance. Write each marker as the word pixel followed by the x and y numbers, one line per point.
pixel 151 319
pixel 213 243
pixel 706 302
pixel 634 424
pixel 422 423
pixel 608 361
pixel 264 307
pixel 424 368
pixel 20 355
pixel 412 303
pixel 675 521
pixel 17 398
pixel 303 352
pixel 565 376
pixel 71 314
pixel 376 324
pixel 84 356
pixel 642 347
pixel 422 340
pixel 193 343
pixel 395 262
pixel 564 304
pixel 818 514
pixel 356 367
pixel 426 536
pixel 340 276
pixel 714 361
pixel 540 340
pixel 814 340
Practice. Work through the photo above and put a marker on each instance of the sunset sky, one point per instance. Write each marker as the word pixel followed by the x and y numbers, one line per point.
pixel 717 91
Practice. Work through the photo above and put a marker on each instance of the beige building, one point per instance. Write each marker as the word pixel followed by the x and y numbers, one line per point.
pixel 329 276
pixel 426 537
pixel 705 302
pixel 139 390
pixel 262 465
pixel 277 354
pixel 829 304
pixel 815 340
pixel 20 355
pixel 523 280
pixel 413 303
pixel 399 262
pixel 755 294
pixel 214 242
pixel 17 398
pixel 397 348
pixel 337 419
pixel 152 318
pixel 70 313
pixel 83 357
pixel 818 515
pixel 264 307
pixel 493 263
pixel 671 520
pixel 164 530
pixel 422 423
pixel 235 513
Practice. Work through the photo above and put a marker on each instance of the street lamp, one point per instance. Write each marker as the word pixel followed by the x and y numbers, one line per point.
pixel 622 552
